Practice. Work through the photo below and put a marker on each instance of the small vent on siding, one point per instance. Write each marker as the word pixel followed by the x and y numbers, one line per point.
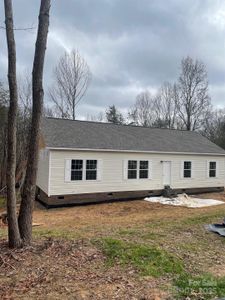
pixel 60 197
pixel 110 194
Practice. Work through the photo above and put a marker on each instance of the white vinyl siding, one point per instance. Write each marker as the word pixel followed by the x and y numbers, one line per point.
pixel 67 170
pixel 112 172
pixel 99 169
pixel 150 170
pixel 43 176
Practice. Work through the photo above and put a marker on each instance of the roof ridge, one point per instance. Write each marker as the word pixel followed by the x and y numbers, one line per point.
pixel 123 125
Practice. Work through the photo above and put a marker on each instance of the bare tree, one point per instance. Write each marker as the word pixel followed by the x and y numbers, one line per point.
pixel 25 93
pixel 49 112
pixel 4 103
pixel 165 106
pixel 28 194
pixel 214 127
pixel 100 117
pixel 13 228
pixel 4 95
pixel 143 111
pixel 193 102
pixel 71 80
pixel 23 126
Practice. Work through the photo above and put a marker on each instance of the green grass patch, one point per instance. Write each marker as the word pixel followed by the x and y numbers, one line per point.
pixel 150 261
pixel 203 219
pixel 128 232
pixel 181 223
pixel 153 236
pixel 191 247
pixel 54 233
pixel 199 287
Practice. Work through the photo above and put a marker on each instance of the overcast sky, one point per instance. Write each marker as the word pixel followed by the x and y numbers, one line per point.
pixel 130 45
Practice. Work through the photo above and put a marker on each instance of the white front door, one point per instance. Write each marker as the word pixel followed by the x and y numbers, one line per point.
pixel 166 173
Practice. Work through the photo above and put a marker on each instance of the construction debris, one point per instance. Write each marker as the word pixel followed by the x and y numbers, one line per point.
pixel 37 224
pixel 184 200
pixel 4 220
pixel 217 228
pixel 168 192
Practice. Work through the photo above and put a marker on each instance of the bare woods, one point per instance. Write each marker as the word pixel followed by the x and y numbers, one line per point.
pixel 20 229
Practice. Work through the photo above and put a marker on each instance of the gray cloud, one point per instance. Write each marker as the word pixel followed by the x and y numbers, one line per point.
pixel 130 45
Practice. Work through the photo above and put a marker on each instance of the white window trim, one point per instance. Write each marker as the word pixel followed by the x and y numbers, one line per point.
pixel 137 169
pixel 182 170
pixel 85 169
pixel 207 169
pixel 149 169
pixel 67 171
pixel 125 169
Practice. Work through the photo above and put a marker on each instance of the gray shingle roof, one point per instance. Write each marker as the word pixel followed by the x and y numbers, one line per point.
pixel 61 133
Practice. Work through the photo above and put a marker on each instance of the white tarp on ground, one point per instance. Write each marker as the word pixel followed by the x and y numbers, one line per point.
pixel 184 200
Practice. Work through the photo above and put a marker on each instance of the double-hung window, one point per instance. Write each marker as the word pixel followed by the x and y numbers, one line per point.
pixel 187 169
pixel 132 169
pixel 91 169
pixel 143 169
pixel 80 169
pixel 138 169
pixel 212 169
pixel 76 169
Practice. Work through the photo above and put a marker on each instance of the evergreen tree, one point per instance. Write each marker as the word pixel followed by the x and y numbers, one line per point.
pixel 113 115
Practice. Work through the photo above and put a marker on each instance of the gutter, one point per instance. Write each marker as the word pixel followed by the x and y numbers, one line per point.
pixel 133 151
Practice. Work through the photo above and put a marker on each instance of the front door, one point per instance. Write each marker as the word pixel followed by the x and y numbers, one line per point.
pixel 167 173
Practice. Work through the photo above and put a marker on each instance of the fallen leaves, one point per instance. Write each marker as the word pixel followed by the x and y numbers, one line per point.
pixel 56 269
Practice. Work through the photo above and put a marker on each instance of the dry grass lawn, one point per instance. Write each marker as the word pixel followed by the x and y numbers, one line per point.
pixel 120 250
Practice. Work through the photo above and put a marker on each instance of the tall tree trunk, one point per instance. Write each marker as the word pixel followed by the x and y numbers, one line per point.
pixel 13 229
pixel 28 194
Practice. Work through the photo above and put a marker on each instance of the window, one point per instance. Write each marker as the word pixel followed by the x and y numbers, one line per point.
pixel 91 169
pixel 187 169
pixel 212 169
pixel 76 169
pixel 138 169
pixel 143 169
pixel 132 169
pixel 79 169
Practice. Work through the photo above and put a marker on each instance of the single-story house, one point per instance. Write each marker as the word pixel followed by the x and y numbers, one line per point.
pixel 82 161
